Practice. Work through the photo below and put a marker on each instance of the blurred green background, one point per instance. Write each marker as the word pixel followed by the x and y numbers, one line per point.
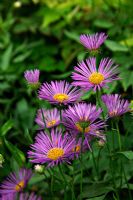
pixel 44 34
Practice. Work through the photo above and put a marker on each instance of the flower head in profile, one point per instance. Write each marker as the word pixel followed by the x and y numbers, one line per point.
pixel 88 76
pixel 53 149
pixel 59 92
pixel 115 105
pixel 83 118
pixel 32 77
pixel 93 42
pixel 16 182
pixel 48 118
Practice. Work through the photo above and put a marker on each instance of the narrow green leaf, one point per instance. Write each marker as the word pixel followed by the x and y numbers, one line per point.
pixel 115 46
pixel 6 127
pixel 127 154
pixel 6 57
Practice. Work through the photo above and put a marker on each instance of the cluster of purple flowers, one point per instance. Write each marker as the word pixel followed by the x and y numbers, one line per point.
pixel 67 130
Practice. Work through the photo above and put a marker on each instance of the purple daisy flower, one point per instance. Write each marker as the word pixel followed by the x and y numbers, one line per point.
pixel 32 77
pixel 16 182
pixel 94 41
pixel 22 196
pixel 59 92
pixel 83 118
pixel 50 118
pixel 53 149
pixel 26 196
pixel 87 75
pixel 115 105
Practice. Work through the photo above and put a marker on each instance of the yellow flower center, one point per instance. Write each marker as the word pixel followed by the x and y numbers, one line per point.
pixel 76 148
pixel 19 186
pixel 83 127
pixel 60 97
pixel 96 78
pixel 55 153
pixel 51 123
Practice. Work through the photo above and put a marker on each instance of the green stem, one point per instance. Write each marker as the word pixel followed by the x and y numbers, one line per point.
pixel 94 161
pixel 65 181
pixel 119 136
pixel 52 183
pixel 98 160
pixel 81 182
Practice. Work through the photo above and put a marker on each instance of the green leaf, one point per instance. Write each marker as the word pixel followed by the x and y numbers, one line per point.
pixel 98 198
pixel 127 42
pixel 72 35
pixel 50 16
pixel 115 46
pixel 127 154
pixel 6 57
pixel 103 23
pixel 6 127
pixel 36 178
pixel 127 79
pixel 16 153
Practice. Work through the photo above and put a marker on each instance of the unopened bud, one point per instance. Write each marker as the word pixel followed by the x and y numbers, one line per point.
pixel 17 4
pixel 39 168
pixel 1 160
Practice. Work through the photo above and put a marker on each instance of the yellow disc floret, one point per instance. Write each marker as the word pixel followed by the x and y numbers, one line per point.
pixel 55 153
pixel 60 97
pixel 51 123
pixel 96 78
pixel 19 186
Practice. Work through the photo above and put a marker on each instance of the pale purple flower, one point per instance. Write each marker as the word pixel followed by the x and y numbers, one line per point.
pixel 15 182
pixel 115 105
pixel 94 41
pixel 87 75
pixel 52 149
pixel 32 77
pixel 59 92
pixel 84 119
pixel 48 118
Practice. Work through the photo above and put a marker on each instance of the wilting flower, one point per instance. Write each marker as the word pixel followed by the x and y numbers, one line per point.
pixel 59 92
pixel 48 118
pixel 16 182
pixel 32 77
pixel 83 118
pixel 94 41
pixel 115 105
pixel 26 196
pixel 87 75
pixel 53 149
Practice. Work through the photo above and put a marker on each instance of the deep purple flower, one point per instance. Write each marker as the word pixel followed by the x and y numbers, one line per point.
pixel 32 77
pixel 83 118
pixel 87 75
pixel 94 41
pixel 15 182
pixel 59 92
pixel 53 149
pixel 50 118
pixel 115 105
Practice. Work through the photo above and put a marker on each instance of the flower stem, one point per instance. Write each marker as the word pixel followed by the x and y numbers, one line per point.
pixel 81 182
pixel 119 136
